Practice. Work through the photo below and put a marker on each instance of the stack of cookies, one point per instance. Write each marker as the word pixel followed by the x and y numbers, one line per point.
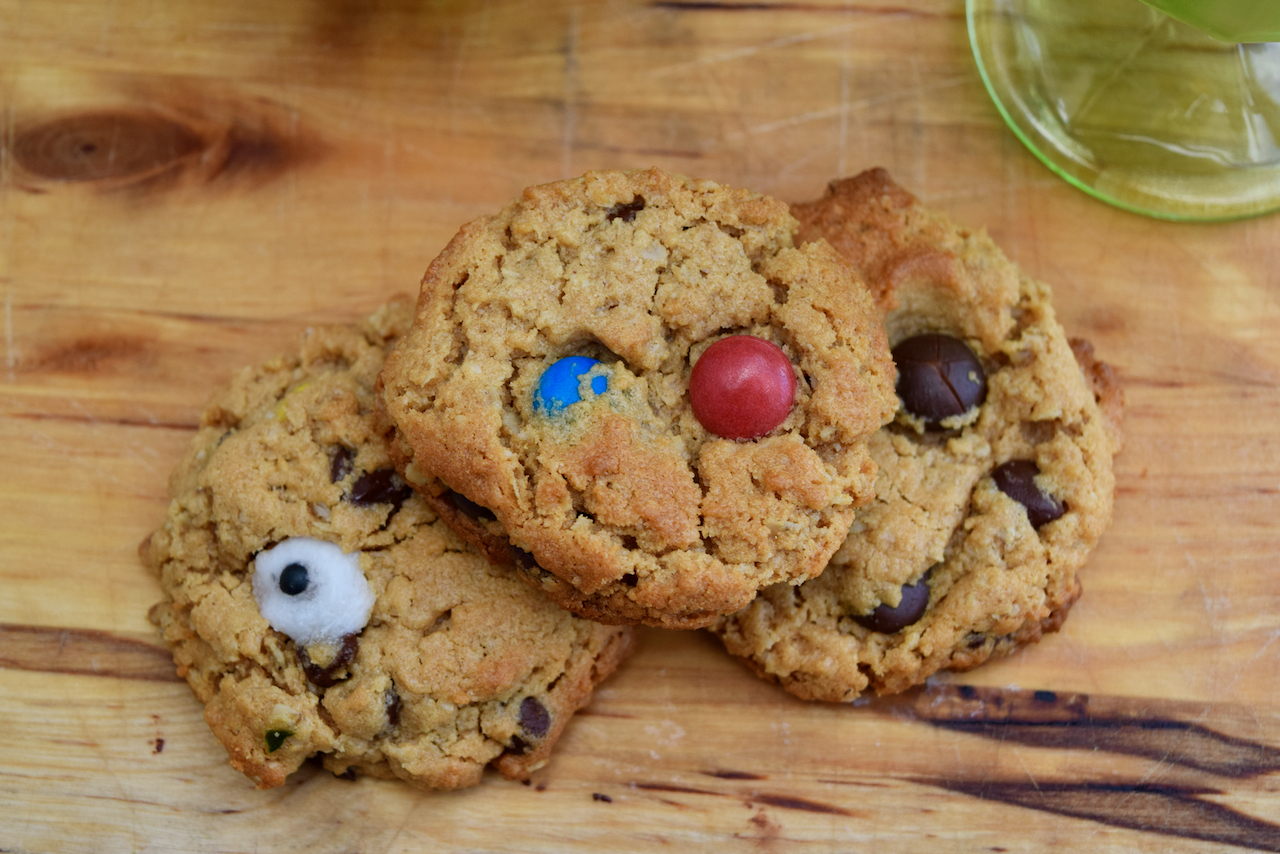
pixel 848 437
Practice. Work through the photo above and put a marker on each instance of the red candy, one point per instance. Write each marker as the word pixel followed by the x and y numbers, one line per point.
pixel 742 387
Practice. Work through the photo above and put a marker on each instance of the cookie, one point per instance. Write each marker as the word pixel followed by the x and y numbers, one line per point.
pixel 995 477
pixel 316 605
pixel 640 382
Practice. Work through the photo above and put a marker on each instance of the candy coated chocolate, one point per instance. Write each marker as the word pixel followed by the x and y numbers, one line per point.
pixel 1017 479
pixel 938 377
pixel 742 387
pixel 558 385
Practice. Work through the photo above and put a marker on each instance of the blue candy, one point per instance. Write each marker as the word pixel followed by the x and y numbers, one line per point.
pixel 558 385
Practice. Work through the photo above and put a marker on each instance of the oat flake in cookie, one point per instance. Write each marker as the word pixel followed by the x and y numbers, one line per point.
pixel 543 394
pixel 316 605
pixel 994 480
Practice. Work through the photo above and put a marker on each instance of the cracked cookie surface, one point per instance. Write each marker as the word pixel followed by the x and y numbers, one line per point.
pixel 986 508
pixel 421 660
pixel 632 509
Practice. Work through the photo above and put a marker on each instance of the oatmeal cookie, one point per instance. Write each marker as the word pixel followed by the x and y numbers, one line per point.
pixel 994 480
pixel 316 605
pixel 640 382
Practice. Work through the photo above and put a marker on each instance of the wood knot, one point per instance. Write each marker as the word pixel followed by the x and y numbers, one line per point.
pixel 105 146
pixel 133 147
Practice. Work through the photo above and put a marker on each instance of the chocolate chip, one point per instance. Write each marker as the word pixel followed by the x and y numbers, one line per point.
pixel 391 701
pixel 1017 479
pixel 340 463
pixel 626 212
pixel 323 677
pixel 535 720
pixel 469 507
pixel 938 377
pixel 383 486
pixel 888 619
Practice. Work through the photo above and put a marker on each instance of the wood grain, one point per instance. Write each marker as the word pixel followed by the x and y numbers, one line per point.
pixel 184 188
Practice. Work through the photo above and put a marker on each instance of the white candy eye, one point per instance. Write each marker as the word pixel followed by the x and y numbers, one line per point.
pixel 311 590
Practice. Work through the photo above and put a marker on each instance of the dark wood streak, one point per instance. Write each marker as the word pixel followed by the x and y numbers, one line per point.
pixel 793 803
pixel 788 802
pixel 1166 741
pixel 1163 810
pixel 704 6
pixel 99 420
pixel 667 787
pixel 736 775
pixel 83 652
pixel 1160 730
pixel 1080 722
pixel 93 353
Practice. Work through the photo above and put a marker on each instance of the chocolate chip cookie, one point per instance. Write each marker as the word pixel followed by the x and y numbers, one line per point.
pixel 994 480
pixel 637 381
pixel 316 605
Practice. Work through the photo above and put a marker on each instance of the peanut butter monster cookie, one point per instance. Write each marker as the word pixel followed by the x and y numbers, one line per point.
pixel 994 479
pixel 638 380
pixel 316 605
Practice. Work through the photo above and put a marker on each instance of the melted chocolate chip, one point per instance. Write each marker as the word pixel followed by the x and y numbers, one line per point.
pixel 469 507
pixel 391 701
pixel 626 212
pixel 383 486
pixel 340 463
pixel 523 561
pixel 535 720
pixel 323 677
pixel 294 579
pixel 887 619
pixel 1017 479
pixel 938 377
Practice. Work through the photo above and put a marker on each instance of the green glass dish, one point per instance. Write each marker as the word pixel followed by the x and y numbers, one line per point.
pixel 1227 20
pixel 1135 106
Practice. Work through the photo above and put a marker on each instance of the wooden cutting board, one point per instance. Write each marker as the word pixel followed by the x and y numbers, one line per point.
pixel 184 187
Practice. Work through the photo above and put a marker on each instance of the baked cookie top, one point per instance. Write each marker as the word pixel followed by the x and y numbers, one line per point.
pixel 551 383
pixel 317 606
pixel 994 480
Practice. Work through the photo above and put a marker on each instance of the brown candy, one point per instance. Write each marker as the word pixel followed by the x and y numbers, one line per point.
pixel 938 377
pixel 1016 479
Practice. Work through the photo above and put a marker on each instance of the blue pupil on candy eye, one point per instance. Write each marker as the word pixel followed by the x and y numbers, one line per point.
pixel 558 385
